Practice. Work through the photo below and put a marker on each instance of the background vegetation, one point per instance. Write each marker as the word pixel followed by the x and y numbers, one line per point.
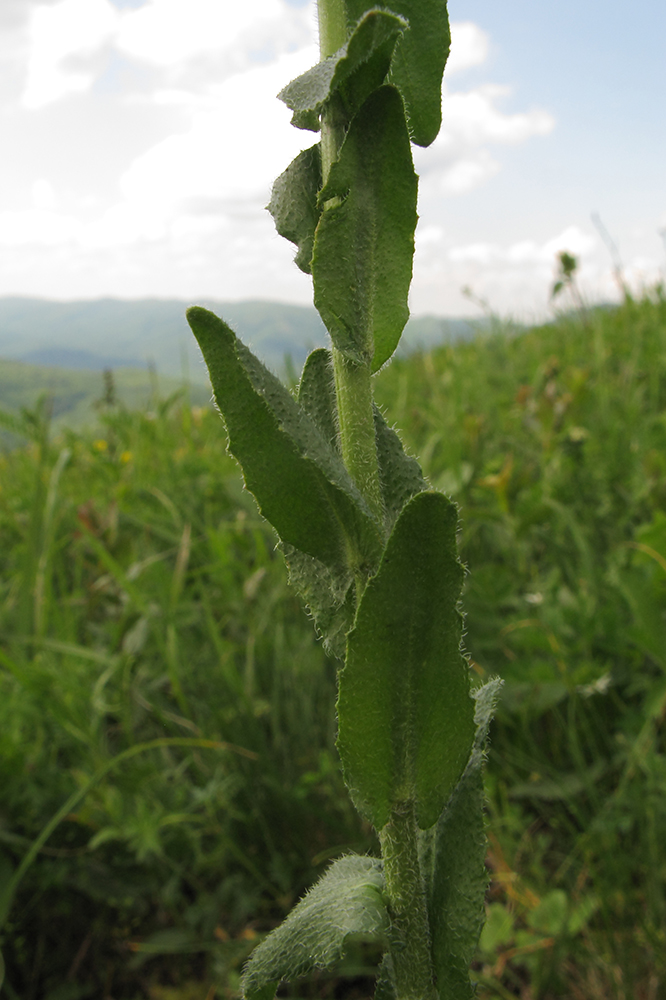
pixel 73 396
pixel 142 600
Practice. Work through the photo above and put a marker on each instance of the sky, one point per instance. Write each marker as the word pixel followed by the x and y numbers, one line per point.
pixel 140 139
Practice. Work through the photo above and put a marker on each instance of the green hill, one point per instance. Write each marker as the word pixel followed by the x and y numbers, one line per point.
pixel 114 333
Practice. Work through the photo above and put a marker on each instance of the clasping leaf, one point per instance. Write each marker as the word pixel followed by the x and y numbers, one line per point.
pixel 350 76
pixel 294 206
pixel 453 865
pixel 418 61
pixel 329 591
pixel 364 243
pixel 298 479
pixel 406 719
pixel 347 902
pixel 352 73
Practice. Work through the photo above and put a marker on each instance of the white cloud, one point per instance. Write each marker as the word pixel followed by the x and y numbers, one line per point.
pixel 234 149
pixel 459 160
pixel 477 253
pixel 428 236
pixel 43 195
pixel 58 33
pixel 169 35
pixel 470 46
pixel 186 216
pixel 37 227
pixel 168 32
pixel 510 277
pixel 572 239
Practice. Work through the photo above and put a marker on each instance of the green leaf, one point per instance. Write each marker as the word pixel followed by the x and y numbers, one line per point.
pixel 329 595
pixel 551 913
pixel 405 714
pixel 293 203
pixel 453 865
pixel 364 243
pixel 346 902
pixel 498 929
pixel 316 394
pixel 329 592
pixel 352 73
pixel 297 478
pixel 400 475
pixel 418 61
pixel 385 988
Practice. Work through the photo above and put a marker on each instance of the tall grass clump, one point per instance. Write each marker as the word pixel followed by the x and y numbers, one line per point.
pixel 158 882
pixel 156 675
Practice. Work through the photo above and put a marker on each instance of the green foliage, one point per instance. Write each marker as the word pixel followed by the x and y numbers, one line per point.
pixel 552 442
pixel 348 901
pixel 348 77
pixel 364 244
pixel 136 609
pixel 404 712
pixel 375 554
pixel 372 552
pixel 418 63
pixel 568 265
pixel 299 481
pixel 569 610
pixel 453 859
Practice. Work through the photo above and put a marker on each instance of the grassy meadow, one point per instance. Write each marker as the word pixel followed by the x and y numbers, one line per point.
pixel 163 697
pixel 76 396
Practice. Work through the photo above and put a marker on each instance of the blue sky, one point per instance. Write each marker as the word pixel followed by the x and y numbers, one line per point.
pixel 143 137
pixel 600 69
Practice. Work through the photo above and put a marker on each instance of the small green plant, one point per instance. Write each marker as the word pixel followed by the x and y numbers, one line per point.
pixel 370 547
pixel 566 279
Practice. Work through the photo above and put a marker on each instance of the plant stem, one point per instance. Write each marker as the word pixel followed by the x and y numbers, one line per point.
pixel 356 423
pixel 353 386
pixel 332 26
pixel 410 932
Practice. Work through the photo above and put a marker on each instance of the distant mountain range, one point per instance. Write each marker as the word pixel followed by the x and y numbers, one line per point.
pixel 115 333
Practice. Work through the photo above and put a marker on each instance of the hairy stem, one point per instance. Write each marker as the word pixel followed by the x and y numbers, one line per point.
pixel 410 932
pixel 332 26
pixel 353 385
pixel 357 427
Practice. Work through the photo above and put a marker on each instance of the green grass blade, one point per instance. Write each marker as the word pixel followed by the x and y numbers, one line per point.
pixel 9 889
